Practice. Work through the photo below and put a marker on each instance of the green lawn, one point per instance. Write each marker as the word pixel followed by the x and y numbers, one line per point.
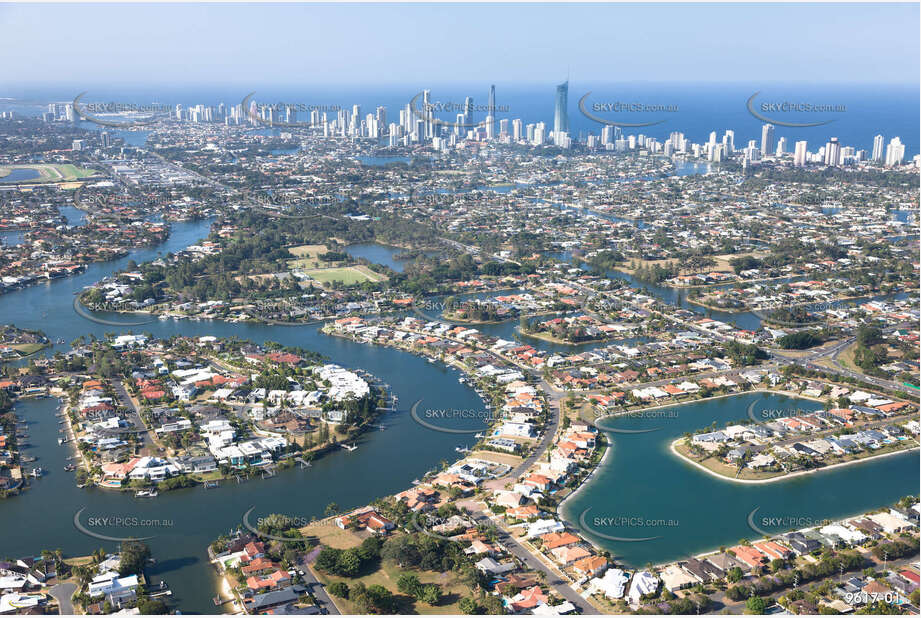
pixel 50 172
pixel 349 275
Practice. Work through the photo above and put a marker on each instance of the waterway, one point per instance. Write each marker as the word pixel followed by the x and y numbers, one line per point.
pixel 691 511
pixel 382 254
pixel 42 517
pixel 386 461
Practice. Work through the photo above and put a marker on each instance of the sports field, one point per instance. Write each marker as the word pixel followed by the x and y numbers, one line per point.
pixel 57 172
pixel 349 275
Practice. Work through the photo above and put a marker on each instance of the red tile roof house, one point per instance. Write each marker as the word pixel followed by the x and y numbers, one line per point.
pixel 539 481
pixel 529 599
pixel 591 566
pixel 253 550
pixel 275 580
pixel 260 566
pixel 910 576
pixel 569 554
pixel 558 539
pixel 773 550
pixel 749 555
pixel 370 520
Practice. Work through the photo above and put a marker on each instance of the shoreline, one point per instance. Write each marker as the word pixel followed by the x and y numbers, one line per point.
pixel 784 477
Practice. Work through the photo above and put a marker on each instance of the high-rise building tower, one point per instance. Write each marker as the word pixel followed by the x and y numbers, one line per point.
pixel 561 109
pixel 878 145
pixel 468 112
pixel 833 152
pixel 895 152
pixel 491 113
pixel 799 154
pixel 781 146
pixel 767 139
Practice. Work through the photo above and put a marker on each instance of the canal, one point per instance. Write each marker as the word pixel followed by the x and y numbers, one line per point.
pixel 643 490
pixel 43 516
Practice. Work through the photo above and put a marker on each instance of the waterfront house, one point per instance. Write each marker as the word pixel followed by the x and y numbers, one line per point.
pixel 703 571
pixel 750 556
pixel 643 583
pixel 612 585
pixel 674 577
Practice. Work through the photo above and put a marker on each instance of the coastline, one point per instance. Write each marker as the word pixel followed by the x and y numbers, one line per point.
pixel 582 485
pixel 784 477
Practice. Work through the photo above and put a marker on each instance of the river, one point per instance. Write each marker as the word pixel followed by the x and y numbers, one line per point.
pixel 42 517
pixel 386 461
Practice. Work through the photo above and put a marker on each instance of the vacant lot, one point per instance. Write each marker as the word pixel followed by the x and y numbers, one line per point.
pixel 387 575
pixel 349 275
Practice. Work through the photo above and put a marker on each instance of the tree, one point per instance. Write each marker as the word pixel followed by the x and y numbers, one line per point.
pixel 401 550
pixel 348 564
pixel 149 606
pixel 134 557
pixel 409 584
pixel 467 606
pixel 431 594
pixel 755 605
pixel 339 589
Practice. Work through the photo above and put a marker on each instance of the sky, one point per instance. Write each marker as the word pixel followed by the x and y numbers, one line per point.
pixel 366 44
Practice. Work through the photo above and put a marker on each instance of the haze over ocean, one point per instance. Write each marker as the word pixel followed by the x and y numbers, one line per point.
pixel 869 108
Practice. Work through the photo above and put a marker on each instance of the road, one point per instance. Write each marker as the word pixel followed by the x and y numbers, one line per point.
pixel 317 589
pixel 62 593
pixel 560 587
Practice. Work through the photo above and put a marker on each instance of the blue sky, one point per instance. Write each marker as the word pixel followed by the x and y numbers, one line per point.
pixel 449 43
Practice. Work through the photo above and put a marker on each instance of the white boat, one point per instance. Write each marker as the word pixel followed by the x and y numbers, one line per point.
pixel 349 448
pixel 146 493
pixel 479 435
pixel 37 473
pixel 60 440
pixel 163 317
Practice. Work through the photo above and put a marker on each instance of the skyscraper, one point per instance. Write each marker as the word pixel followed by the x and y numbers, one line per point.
pixel 878 144
pixel 561 110
pixel 895 152
pixel 799 154
pixel 833 152
pixel 468 112
pixel 767 139
pixel 491 113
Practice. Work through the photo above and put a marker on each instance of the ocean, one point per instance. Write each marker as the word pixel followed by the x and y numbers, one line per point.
pixel 857 112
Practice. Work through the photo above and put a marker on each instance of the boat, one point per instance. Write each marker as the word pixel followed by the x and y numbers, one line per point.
pixel 146 493
pixel 349 448
pixel 461 449
pixel 37 473
pixel 479 435
pixel 60 440
pixel 70 467
pixel 163 317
